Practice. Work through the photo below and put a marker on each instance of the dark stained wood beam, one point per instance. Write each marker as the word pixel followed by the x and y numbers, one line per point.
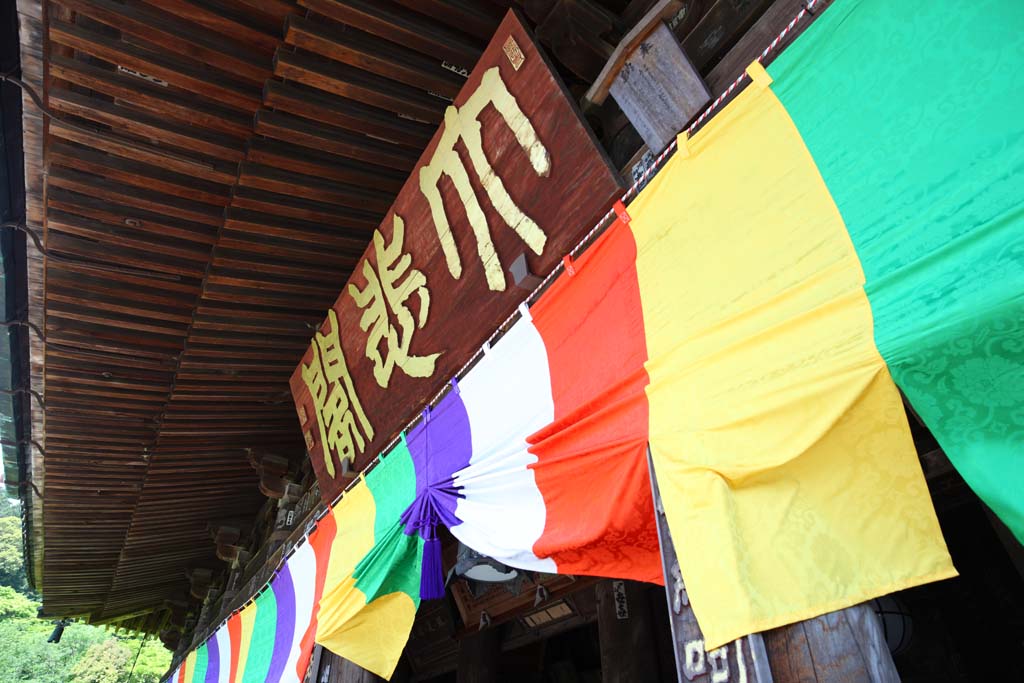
pixel 155 99
pixel 333 140
pixel 237 25
pixel 371 203
pixel 148 200
pixel 370 53
pixel 214 87
pixel 138 173
pixel 128 148
pixel 397 24
pixel 317 163
pixel 165 31
pixel 479 19
pixel 342 112
pixel 147 127
pixel 362 86
pixel 120 215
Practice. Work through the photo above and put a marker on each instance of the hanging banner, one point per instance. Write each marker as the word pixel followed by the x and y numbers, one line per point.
pixel 512 171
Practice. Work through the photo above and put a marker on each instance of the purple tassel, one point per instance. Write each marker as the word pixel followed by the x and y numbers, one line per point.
pixel 432 573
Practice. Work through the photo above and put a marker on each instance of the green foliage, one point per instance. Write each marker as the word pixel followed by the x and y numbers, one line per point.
pixel 14 605
pixel 26 657
pixel 85 654
pixel 9 507
pixel 154 660
pixel 12 568
pixel 104 662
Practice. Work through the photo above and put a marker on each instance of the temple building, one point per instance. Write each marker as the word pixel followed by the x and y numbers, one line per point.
pixel 542 341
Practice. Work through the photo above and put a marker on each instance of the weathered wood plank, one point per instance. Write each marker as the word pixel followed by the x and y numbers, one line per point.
pixel 371 203
pixel 382 18
pixel 181 74
pixel 165 31
pixel 310 103
pixel 359 85
pixel 148 127
pixel 154 98
pixel 370 53
pixel 658 89
pixel 308 161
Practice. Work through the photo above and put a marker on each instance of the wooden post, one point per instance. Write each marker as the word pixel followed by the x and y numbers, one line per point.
pixel 479 657
pixel 334 669
pixel 627 635
pixel 840 647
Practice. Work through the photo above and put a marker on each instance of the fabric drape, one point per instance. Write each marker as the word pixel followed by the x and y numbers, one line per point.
pixel 912 112
pixel 537 457
pixel 787 470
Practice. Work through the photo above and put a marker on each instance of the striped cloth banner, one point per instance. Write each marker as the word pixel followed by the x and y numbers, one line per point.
pixel 352 586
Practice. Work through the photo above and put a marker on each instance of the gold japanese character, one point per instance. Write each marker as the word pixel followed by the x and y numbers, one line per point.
pixel 462 123
pixel 388 290
pixel 344 428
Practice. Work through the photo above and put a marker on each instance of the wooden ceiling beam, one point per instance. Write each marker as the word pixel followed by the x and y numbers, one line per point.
pixel 310 103
pixel 349 239
pixel 333 140
pixel 277 204
pixel 107 212
pixel 167 32
pixel 139 198
pixel 112 306
pixel 320 164
pixel 480 19
pixel 124 236
pixel 397 24
pixel 359 85
pixel 370 53
pixel 203 82
pixel 190 139
pixel 156 99
pixel 363 204
pixel 239 26
pixel 137 173
pixel 314 271
pixel 117 145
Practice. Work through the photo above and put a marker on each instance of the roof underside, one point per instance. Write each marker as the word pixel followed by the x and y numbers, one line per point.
pixel 214 170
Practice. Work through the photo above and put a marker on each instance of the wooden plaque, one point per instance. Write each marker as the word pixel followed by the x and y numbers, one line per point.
pixel 512 170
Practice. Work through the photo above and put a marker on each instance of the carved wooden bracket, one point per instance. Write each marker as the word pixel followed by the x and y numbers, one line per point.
pixel 200 583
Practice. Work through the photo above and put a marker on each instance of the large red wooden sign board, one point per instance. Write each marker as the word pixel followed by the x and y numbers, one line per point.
pixel 511 170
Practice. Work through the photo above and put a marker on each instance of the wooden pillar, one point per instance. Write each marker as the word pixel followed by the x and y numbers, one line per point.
pixel 334 669
pixel 846 646
pixel 628 651
pixel 480 657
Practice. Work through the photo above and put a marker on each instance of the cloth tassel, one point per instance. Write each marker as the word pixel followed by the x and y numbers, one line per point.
pixel 432 572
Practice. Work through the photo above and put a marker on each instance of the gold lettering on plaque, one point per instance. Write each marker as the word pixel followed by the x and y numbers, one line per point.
pixel 462 123
pixel 344 428
pixel 388 289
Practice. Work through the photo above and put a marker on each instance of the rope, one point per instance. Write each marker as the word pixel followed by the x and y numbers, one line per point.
pixel 141 645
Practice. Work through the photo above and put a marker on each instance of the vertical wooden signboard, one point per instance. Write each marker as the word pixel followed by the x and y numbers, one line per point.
pixel 512 170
